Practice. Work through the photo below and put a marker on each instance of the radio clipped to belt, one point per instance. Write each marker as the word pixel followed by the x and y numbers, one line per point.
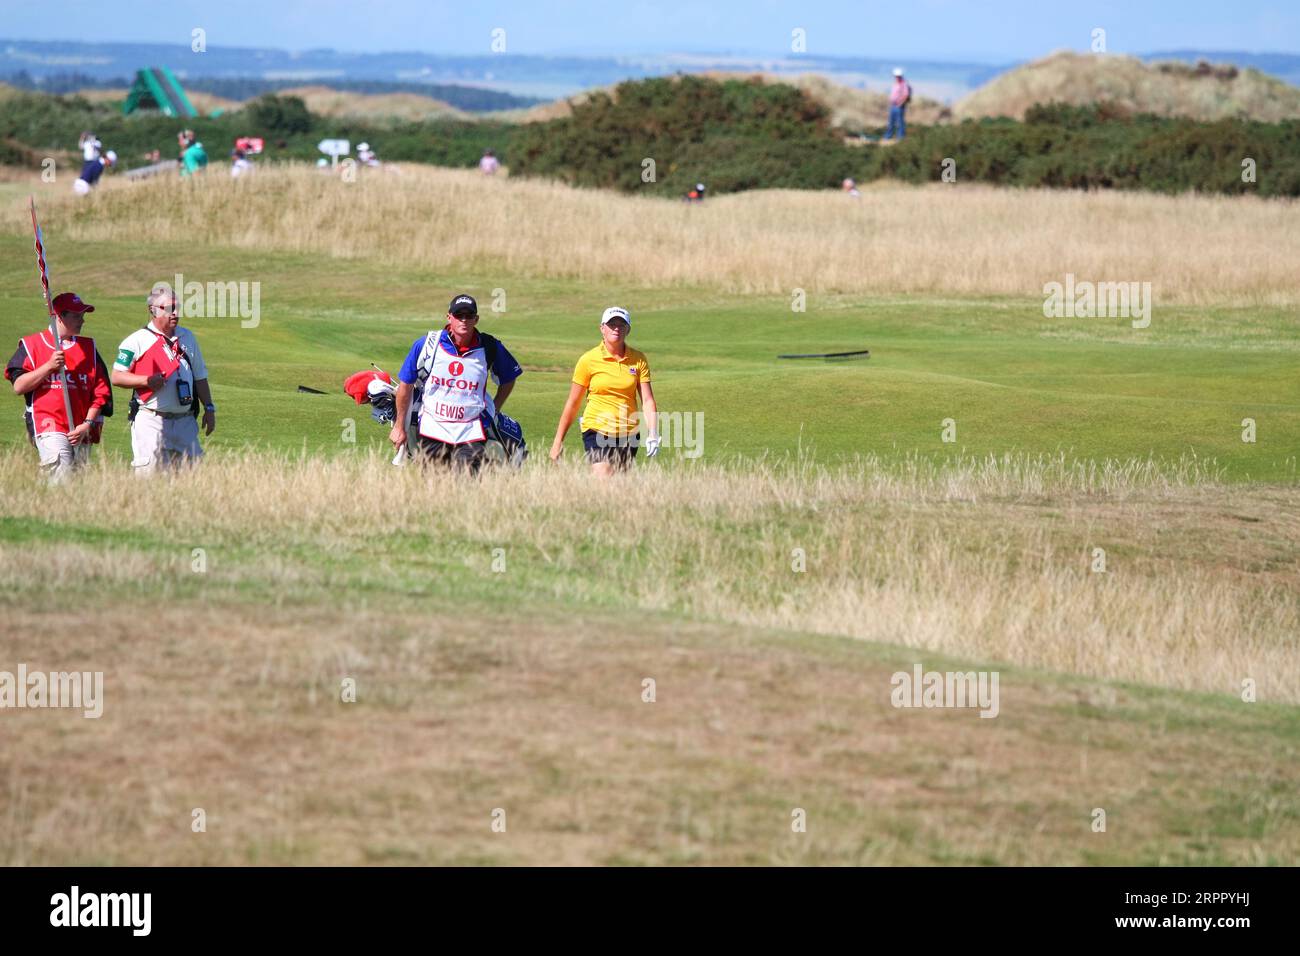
pixel 184 389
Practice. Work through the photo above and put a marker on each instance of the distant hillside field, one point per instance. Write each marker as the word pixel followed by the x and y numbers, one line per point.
pixel 321 100
pixel 324 101
pixel 1207 93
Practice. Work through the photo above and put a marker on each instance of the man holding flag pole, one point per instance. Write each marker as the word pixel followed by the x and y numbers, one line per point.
pixel 63 378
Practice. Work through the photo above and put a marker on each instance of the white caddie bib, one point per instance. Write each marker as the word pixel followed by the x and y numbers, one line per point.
pixel 455 395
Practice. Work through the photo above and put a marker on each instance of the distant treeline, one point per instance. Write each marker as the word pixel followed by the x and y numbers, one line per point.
pixel 737 135
pixel 468 98
pixel 661 136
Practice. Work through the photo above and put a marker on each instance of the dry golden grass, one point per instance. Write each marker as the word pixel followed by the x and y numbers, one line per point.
pixel 988 560
pixel 324 101
pixel 1082 78
pixel 945 239
pixel 321 100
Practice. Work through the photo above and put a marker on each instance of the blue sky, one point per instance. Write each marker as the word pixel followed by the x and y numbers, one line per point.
pixel 995 31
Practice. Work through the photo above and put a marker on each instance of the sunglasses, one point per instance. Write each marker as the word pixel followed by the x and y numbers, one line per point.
pixel 465 316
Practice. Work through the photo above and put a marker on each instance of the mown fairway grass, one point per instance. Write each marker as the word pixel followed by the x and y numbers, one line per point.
pixel 521 689
pixel 1010 379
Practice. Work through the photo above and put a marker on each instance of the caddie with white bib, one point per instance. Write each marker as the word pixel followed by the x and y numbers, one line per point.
pixel 163 365
pixel 443 410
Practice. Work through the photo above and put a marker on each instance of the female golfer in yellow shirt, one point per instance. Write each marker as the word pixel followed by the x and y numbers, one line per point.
pixel 611 374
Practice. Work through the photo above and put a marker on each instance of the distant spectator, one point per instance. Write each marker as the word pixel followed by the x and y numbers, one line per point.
pixel 241 165
pixel 193 157
pixel 366 156
pixel 90 146
pixel 696 194
pixel 899 97
pixel 488 165
pixel 850 187
pixel 91 170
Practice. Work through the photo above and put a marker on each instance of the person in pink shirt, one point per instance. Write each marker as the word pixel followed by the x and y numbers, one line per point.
pixel 898 100
pixel 488 165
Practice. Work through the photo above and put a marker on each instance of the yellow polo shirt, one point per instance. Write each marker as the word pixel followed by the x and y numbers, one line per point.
pixel 612 386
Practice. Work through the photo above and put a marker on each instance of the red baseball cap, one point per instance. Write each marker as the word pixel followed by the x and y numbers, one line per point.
pixel 70 302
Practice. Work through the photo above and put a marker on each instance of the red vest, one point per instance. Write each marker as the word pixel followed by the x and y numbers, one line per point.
pixel 163 356
pixel 86 386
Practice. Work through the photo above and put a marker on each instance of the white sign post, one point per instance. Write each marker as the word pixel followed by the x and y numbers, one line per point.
pixel 334 148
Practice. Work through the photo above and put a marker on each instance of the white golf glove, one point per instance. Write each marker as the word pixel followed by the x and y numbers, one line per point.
pixel 652 446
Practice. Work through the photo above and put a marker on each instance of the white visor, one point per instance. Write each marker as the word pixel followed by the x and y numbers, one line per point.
pixel 614 312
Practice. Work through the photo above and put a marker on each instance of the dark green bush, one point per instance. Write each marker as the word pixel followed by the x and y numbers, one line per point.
pixel 740 135
pixel 1093 147
pixel 732 135
pixel 279 115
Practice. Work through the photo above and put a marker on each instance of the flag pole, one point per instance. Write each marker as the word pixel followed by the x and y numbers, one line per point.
pixel 49 306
